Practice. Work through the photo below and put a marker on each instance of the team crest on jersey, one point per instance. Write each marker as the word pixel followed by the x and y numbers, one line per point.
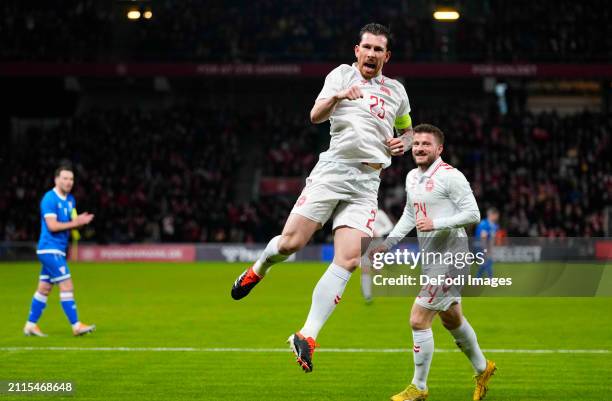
pixel 383 88
pixel 300 201
pixel 429 185
pixel 69 204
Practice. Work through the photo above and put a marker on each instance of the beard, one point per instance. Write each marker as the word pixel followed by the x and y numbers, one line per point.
pixel 429 159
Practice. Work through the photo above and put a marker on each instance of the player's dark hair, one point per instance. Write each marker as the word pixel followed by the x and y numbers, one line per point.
pixel 376 29
pixel 63 167
pixel 430 129
pixel 492 210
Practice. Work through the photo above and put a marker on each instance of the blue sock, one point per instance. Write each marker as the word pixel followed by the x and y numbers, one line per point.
pixel 69 306
pixel 481 269
pixel 486 267
pixel 490 270
pixel 39 301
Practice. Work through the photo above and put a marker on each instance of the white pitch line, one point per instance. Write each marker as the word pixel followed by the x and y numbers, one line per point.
pixel 332 350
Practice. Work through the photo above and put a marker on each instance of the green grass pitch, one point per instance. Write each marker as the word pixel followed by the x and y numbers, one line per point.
pixel 188 305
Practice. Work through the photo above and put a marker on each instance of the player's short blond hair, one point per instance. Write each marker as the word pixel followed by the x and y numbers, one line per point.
pixel 430 129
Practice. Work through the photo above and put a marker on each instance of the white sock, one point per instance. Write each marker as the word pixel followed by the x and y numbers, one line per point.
pixel 366 285
pixel 270 256
pixel 465 338
pixel 423 353
pixel 326 295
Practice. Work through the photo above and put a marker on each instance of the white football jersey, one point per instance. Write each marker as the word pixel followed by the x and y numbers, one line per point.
pixel 360 128
pixel 441 193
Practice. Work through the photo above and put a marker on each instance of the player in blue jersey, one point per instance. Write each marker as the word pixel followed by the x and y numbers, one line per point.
pixel 56 215
pixel 485 237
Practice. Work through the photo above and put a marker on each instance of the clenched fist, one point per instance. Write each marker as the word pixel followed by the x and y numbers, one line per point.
pixel 352 93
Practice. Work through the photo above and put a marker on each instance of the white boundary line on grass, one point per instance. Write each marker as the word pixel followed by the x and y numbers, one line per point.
pixel 332 350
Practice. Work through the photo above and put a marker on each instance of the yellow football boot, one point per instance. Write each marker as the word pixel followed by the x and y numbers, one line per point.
pixel 412 393
pixel 482 381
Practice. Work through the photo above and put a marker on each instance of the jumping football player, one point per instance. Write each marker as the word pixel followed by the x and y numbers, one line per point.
pixel 363 107
pixel 56 211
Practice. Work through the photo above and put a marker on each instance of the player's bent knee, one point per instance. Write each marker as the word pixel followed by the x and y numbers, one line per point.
pixel 44 288
pixel 290 244
pixel 416 323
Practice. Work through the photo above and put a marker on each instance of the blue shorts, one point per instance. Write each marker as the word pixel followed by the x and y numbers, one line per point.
pixel 54 268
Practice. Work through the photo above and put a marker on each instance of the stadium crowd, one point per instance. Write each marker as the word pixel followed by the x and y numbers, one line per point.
pixel 548 174
pixel 270 31
pixel 146 176
pixel 170 176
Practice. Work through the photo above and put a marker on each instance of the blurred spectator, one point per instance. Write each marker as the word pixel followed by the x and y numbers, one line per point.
pixel 146 176
pixel 548 174
pixel 173 175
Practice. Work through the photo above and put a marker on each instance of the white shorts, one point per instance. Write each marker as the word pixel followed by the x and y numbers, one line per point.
pixel 439 297
pixel 436 302
pixel 348 191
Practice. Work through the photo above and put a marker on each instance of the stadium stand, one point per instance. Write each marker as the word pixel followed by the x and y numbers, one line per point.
pixel 171 175
pixel 196 30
